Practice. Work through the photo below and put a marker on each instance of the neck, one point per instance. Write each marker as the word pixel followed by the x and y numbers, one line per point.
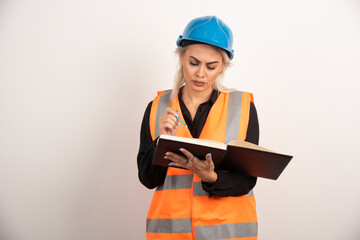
pixel 192 97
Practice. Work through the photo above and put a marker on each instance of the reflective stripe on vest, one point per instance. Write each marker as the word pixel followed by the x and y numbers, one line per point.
pixel 182 182
pixel 225 231
pixel 168 225
pixel 251 194
pixel 164 102
pixel 198 190
pixel 233 116
pixel 219 231
pixel 176 182
pixel 180 208
pixel 185 182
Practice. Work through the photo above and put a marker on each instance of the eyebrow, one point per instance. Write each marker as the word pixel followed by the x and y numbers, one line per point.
pixel 206 63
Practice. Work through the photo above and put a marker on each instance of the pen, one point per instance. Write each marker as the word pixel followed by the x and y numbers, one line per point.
pixel 177 116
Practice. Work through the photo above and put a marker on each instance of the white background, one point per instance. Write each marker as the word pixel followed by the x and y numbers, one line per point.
pixel 76 76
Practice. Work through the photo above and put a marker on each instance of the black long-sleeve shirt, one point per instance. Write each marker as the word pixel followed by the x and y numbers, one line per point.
pixel 227 184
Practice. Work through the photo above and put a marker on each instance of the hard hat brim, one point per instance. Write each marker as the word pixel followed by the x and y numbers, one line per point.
pixel 186 42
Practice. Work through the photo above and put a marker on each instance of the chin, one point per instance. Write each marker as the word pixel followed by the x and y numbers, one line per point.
pixel 200 90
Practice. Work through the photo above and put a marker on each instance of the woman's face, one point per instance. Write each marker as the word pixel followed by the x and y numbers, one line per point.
pixel 202 64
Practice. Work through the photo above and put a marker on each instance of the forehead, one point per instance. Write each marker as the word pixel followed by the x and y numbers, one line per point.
pixel 203 52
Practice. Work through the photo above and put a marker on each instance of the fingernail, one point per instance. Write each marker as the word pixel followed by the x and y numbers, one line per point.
pixel 182 150
pixel 176 114
pixel 167 153
pixel 209 155
pixel 170 164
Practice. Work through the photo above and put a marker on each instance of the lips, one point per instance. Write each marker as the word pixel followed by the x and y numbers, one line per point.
pixel 198 83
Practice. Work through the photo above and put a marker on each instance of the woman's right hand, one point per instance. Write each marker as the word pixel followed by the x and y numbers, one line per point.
pixel 168 123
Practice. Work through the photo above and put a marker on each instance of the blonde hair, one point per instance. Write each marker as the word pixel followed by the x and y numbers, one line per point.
pixel 179 79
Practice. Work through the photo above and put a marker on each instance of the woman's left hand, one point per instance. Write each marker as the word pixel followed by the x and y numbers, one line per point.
pixel 204 169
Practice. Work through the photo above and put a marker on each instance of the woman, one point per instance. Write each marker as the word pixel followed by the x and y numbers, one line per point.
pixel 199 201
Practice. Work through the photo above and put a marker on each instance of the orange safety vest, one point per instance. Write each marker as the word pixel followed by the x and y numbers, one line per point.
pixel 180 208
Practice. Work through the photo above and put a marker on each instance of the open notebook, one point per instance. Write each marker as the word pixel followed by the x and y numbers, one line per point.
pixel 236 156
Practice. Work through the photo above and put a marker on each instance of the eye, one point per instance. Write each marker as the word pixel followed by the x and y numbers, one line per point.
pixel 193 64
pixel 211 68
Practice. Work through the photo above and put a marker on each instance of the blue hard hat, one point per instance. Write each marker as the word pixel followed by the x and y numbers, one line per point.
pixel 210 30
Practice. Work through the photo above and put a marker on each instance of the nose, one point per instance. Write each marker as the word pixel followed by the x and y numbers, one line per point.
pixel 200 72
